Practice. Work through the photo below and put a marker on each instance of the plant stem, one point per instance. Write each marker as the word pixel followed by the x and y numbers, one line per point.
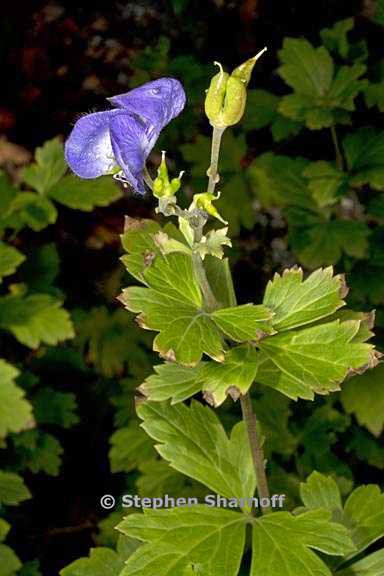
pixel 250 420
pixel 215 151
pixel 339 156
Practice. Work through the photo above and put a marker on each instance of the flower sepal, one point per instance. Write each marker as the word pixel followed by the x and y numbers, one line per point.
pixel 204 202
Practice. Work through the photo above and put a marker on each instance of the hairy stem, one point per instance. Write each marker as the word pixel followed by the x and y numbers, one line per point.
pixel 250 420
pixel 215 151
pixel 339 156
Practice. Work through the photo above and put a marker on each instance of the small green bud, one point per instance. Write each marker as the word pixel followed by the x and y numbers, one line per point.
pixel 162 187
pixel 227 95
pixel 204 202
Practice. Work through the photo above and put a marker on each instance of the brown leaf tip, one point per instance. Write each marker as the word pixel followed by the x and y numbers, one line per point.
pixel 343 289
pixel 209 398
pixel 234 393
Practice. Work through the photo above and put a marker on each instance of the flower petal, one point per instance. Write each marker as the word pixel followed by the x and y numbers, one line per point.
pixel 158 101
pixel 132 140
pixel 88 149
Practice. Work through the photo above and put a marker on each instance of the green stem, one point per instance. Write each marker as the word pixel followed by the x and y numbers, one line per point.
pixel 339 156
pixel 215 151
pixel 257 451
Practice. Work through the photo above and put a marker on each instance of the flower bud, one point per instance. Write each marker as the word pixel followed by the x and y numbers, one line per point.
pixel 204 202
pixel 226 96
pixel 162 187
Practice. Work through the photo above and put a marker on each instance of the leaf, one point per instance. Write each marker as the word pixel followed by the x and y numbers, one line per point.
pixel 364 152
pixel 366 448
pixel 296 302
pixel 39 452
pixel 7 193
pixel 235 204
pixel 101 562
pixel 110 342
pixel 216 379
pixel 55 407
pixel 363 396
pixel 194 442
pixel 335 39
pixel 10 259
pixel 371 565
pixel 279 181
pixel 290 540
pixel 262 110
pixel 35 319
pixel 244 322
pixel 9 562
pixel 374 96
pixel 49 168
pixel 320 491
pixel 41 269
pixel 327 183
pixel 321 95
pixel 189 331
pixel 138 241
pixel 85 195
pixel 306 69
pixel 324 242
pixel 33 210
pixel 12 489
pixel 317 359
pixel 178 537
pixel 130 446
pixel 363 511
pixel 158 478
pixel 15 410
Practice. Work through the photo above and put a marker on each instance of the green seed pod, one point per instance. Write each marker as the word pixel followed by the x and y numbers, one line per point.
pixel 227 95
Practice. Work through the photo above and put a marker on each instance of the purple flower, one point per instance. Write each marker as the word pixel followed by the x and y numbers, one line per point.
pixel 126 134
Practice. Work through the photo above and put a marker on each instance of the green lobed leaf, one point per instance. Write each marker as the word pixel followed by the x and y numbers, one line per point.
pixel 110 341
pixel 296 302
pixel 234 376
pixel 101 562
pixel 363 396
pixel 176 538
pixel 290 541
pixel 371 565
pixel 49 167
pixel 32 210
pixel 9 562
pixel 189 331
pixel 55 407
pixel 262 110
pixel 35 319
pixel 39 452
pixel 322 95
pixel 326 182
pixel 15 410
pixel 364 151
pixel 12 489
pixel 10 259
pixel 130 446
pixel 194 442
pixel 363 511
pixel 85 195
pixel 317 359
pixel 325 241
pixel 335 39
